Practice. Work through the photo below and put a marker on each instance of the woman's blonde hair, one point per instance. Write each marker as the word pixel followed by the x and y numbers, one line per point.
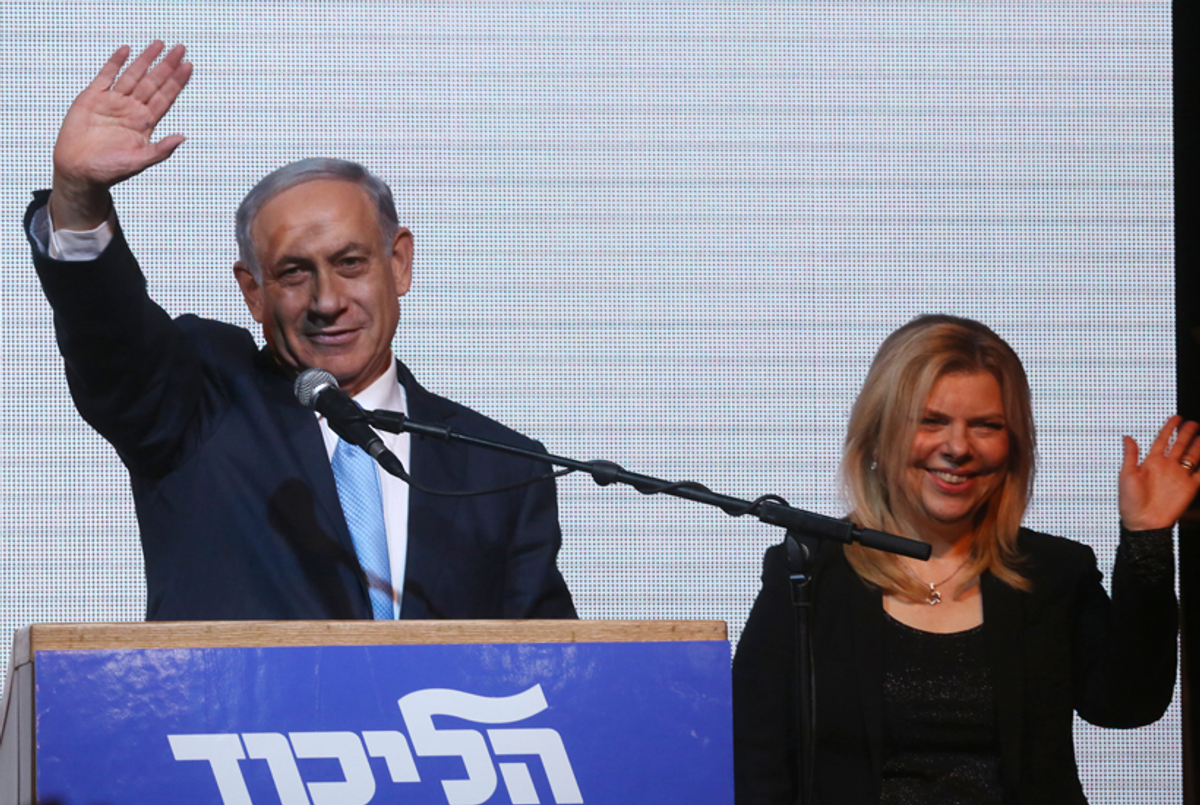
pixel 884 422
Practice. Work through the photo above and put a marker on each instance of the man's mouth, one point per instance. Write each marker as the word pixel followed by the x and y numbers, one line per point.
pixel 332 337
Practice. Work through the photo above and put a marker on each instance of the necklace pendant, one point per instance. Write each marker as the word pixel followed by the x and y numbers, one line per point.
pixel 934 597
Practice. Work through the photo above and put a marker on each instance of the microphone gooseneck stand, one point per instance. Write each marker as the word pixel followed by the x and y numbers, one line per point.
pixel 804 533
pixel 318 389
pixel 770 509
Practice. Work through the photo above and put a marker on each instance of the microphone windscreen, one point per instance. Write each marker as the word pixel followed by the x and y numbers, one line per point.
pixel 310 384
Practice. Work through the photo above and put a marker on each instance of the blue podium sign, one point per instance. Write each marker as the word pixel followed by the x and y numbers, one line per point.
pixel 619 723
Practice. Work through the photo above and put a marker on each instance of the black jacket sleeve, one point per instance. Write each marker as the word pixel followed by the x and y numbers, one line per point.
pixel 1126 647
pixel 132 373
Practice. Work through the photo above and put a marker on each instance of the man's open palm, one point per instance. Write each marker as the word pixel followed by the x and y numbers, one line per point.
pixel 107 134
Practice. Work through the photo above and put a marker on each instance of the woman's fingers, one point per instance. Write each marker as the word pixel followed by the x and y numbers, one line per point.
pixel 1130 461
pixel 1163 440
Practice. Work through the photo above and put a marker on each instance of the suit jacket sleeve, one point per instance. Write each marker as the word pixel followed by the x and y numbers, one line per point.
pixel 1126 647
pixel 131 371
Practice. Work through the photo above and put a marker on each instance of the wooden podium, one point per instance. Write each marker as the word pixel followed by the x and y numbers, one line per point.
pixel 248 712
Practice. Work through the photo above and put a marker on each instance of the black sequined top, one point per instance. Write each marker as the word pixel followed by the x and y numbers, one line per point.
pixel 940 743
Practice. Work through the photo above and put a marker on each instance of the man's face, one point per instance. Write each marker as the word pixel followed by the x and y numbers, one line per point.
pixel 328 295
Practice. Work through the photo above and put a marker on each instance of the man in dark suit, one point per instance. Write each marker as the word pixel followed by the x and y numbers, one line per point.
pixel 249 506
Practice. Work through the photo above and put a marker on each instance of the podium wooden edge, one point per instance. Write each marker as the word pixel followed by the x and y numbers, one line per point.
pixel 213 634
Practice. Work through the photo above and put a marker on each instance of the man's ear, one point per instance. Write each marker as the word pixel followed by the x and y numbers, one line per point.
pixel 402 260
pixel 251 290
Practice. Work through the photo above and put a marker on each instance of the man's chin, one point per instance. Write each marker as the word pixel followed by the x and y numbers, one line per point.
pixel 351 379
pixel 352 372
pixel 341 373
pixel 344 377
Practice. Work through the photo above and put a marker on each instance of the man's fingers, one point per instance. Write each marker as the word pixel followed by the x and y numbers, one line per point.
pixel 165 147
pixel 158 76
pixel 161 101
pixel 134 72
pixel 111 69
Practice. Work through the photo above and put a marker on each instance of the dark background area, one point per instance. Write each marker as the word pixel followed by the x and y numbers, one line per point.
pixel 1188 369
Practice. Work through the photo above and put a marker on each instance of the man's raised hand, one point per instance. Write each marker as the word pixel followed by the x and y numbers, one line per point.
pixel 106 135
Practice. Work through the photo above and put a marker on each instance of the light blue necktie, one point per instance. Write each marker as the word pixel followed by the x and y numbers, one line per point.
pixel 362 503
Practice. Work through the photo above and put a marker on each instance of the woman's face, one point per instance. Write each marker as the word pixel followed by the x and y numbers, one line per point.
pixel 959 455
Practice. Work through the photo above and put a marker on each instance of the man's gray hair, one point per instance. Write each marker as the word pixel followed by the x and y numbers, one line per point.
pixel 309 170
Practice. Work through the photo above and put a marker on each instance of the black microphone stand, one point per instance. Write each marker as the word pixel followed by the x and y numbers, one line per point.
pixel 804 533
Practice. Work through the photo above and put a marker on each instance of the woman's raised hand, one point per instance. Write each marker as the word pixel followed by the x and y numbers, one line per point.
pixel 1157 491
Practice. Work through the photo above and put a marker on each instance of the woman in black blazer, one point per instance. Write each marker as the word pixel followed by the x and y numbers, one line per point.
pixel 955 680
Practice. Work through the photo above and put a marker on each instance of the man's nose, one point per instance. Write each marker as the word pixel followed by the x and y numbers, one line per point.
pixel 328 293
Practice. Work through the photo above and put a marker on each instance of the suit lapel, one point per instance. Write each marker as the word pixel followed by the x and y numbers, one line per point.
pixel 1003 630
pixel 302 436
pixel 436 465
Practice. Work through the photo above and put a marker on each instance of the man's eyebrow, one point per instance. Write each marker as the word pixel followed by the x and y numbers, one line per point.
pixel 291 259
pixel 353 246
pixel 302 259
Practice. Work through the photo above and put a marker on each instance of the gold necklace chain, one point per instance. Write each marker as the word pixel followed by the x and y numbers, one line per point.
pixel 933 597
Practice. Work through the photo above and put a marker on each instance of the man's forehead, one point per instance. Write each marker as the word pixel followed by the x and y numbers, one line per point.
pixel 317 208
pixel 322 192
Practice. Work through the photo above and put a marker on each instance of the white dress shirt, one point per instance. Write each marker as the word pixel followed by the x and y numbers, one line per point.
pixel 385 392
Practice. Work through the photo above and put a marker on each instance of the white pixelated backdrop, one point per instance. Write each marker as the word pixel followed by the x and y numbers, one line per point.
pixel 666 234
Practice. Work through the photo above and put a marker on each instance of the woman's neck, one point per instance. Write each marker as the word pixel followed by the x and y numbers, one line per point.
pixel 947 547
pixel 948 540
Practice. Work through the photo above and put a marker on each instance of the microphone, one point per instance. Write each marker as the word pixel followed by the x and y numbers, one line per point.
pixel 318 389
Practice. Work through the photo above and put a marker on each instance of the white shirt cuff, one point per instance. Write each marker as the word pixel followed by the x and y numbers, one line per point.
pixel 69 245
